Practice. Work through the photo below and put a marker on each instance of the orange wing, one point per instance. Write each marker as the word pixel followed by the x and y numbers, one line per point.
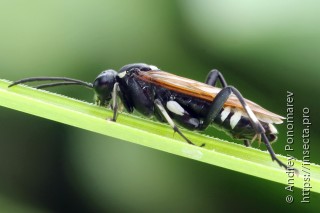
pixel 205 92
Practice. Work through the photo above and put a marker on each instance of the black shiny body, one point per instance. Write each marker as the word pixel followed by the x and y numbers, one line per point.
pixel 140 95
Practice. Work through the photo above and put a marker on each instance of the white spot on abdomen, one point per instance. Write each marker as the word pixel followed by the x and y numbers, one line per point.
pixel 235 118
pixel 174 107
pixel 225 113
pixel 273 129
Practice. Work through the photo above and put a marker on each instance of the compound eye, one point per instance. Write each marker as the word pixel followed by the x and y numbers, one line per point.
pixel 103 85
pixel 105 79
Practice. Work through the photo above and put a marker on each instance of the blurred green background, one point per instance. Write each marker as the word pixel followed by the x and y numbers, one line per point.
pixel 263 48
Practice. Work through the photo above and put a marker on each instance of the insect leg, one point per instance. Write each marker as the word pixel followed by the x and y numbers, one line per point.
pixel 166 116
pixel 258 127
pixel 247 142
pixel 217 105
pixel 214 76
pixel 115 101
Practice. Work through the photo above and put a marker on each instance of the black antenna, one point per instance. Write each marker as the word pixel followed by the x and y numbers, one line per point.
pixel 66 81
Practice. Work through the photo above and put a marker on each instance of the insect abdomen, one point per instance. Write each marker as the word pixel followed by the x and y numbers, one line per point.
pixel 238 125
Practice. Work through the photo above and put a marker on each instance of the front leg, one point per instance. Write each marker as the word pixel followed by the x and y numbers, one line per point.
pixel 115 104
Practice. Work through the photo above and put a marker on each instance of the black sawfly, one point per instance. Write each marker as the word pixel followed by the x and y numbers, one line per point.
pixel 174 99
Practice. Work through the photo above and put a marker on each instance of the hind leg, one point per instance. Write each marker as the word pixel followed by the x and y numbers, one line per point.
pixel 218 104
pixel 215 76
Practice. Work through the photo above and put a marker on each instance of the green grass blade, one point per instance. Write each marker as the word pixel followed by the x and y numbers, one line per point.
pixel 151 134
